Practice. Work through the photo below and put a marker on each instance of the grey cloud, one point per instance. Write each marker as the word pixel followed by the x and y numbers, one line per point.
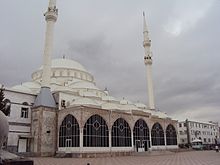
pixel 106 37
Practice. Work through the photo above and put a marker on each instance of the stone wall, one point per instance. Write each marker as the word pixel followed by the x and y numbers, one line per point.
pixel 44 131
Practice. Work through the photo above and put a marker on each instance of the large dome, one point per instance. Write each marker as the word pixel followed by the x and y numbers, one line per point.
pixel 64 71
pixel 66 63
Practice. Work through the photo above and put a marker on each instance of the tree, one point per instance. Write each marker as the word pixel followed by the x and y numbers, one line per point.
pixel 5 104
pixel 2 97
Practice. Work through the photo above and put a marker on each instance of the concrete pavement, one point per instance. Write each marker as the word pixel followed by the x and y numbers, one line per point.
pixel 181 158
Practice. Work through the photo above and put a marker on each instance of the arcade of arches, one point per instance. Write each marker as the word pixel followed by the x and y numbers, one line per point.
pixel 96 133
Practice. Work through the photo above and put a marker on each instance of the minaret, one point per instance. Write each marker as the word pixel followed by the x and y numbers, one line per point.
pixel 148 63
pixel 45 97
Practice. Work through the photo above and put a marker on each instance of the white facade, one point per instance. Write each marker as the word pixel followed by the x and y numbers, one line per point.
pixel 191 130
pixel 20 116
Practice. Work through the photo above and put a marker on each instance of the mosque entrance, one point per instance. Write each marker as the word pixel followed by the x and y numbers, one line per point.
pixel 141 145
pixel 68 142
pixel 137 145
pixel 146 145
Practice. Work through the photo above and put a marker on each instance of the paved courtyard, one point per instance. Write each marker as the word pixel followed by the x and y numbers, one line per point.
pixel 181 158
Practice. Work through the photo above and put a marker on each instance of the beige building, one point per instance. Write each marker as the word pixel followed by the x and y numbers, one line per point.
pixel 190 130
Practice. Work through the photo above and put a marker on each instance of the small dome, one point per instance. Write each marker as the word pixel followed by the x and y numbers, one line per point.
pixel 124 102
pixel 83 85
pixel 128 107
pixel 87 93
pixel 110 106
pixel 66 63
pixel 31 85
pixel 21 88
pixel 85 101
pixel 108 98
pixel 140 105
pixel 159 114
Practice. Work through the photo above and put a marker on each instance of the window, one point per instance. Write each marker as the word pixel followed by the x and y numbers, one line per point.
pixel 171 136
pixel 157 135
pixel 141 132
pixel 69 132
pixel 61 73
pixel 180 124
pixel 95 132
pixel 184 124
pixel 121 134
pixel 63 103
pixel 24 112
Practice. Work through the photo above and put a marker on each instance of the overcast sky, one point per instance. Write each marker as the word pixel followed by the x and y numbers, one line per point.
pixel 106 37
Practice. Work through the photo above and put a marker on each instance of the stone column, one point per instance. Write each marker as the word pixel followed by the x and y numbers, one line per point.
pixel 165 136
pixel 132 139
pixel 110 140
pixel 150 138
pixel 81 139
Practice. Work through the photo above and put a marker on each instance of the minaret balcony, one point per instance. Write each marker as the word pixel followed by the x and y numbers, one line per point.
pixel 147 60
pixel 51 14
pixel 147 43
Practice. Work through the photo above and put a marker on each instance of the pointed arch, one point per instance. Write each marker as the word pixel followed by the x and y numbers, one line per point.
pixel 171 136
pixel 141 132
pixel 95 132
pixel 69 132
pixel 157 135
pixel 121 134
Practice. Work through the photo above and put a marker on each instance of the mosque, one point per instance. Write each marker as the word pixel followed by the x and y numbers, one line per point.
pixel 62 112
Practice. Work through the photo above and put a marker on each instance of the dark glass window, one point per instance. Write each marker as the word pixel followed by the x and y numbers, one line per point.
pixel 69 132
pixel 24 112
pixel 157 135
pixel 171 135
pixel 95 132
pixel 141 133
pixel 121 134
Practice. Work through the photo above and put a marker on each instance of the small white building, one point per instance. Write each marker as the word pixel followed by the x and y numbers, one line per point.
pixel 190 130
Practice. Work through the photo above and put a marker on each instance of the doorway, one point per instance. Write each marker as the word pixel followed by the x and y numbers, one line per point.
pixel 22 145
pixel 68 142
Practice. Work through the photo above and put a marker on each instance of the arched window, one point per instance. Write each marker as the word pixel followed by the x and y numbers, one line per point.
pixel 171 136
pixel 95 132
pixel 69 132
pixel 157 135
pixel 24 110
pixel 25 103
pixel 141 133
pixel 121 134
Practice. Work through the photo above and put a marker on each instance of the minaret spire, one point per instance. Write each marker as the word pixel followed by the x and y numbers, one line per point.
pixel 45 97
pixel 148 63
